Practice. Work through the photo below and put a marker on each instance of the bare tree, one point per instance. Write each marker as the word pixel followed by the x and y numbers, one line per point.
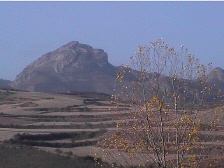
pixel 168 97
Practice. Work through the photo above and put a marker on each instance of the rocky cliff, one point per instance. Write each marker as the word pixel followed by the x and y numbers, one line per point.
pixel 216 75
pixel 73 67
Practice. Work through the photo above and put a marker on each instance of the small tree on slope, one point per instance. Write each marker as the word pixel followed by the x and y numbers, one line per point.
pixel 168 123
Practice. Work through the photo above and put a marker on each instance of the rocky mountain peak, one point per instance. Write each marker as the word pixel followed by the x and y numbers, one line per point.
pixel 71 67
pixel 217 74
pixel 71 44
pixel 71 57
pixel 217 69
pixel 80 53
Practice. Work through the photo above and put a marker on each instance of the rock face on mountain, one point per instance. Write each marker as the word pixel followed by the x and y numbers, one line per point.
pixel 216 75
pixel 216 78
pixel 73 67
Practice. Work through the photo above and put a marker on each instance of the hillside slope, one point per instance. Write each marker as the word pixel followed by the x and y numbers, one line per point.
pixel 73 67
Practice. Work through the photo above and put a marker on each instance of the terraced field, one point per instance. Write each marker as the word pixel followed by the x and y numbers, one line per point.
pixel 73 122
pixel 69 123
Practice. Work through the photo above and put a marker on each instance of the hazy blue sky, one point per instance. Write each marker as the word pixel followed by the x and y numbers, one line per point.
pixel 30 29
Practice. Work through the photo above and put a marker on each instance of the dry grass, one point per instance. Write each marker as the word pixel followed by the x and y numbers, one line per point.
pixel 29 109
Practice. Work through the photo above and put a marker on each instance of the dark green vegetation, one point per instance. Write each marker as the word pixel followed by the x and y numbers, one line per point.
pixel 47 140
pixel 14 156
pixel 91 95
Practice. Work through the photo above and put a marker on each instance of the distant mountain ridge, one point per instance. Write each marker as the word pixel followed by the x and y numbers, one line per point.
pixel 4 84
pixel 79 67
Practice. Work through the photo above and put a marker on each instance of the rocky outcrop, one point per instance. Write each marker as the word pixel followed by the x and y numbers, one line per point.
pixel 216 81
pixel 216 75
pixel 73 67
